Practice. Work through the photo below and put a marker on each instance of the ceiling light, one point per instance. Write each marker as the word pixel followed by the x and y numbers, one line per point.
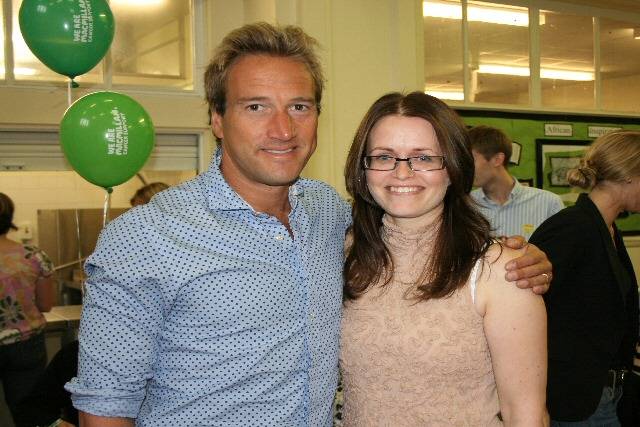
pixel 545 73
pixel 135 3
pixel 503 69
pixel 445 94
pixel 492 15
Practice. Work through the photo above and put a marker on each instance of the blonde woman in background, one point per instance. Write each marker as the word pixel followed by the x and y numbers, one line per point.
pixel 144 194
pixel 27 288
pixel 593 302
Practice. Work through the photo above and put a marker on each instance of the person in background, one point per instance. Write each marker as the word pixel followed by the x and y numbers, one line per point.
pixel 144 194
pixel 593 302
pixel 49 403
pixel 27 289
pixel 629 405
pixel 510 207
pixel 218 302
pixel 431 332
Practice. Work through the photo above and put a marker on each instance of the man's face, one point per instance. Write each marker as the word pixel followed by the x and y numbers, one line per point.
pixel 484 169
pixel 269 127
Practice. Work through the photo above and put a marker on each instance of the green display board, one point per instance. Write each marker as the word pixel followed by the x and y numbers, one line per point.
pixel 548 151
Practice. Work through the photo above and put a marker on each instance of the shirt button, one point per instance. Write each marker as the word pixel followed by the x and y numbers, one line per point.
pixel 279 237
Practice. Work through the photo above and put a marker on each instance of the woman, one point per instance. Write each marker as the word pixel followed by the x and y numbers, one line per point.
pixel 432 333
pixel 27 288
pixel 144 194
pixel 593 302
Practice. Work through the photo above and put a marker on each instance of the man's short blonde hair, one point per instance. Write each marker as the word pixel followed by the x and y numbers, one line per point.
pixel 260 39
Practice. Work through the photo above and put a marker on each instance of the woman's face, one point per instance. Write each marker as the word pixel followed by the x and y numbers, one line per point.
pixel 407 196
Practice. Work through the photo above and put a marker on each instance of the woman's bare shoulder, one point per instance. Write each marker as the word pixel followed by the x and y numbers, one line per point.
pixel 498 255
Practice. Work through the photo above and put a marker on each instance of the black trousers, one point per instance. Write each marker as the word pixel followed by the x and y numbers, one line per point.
pixel 21 365
pixel 629 405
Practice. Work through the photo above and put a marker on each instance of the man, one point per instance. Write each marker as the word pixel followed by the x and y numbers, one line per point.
pixel 219 302
pixel 511 208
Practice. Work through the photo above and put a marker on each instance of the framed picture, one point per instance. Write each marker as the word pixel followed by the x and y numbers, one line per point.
pixel 554 158
pixel 516 150
pixel 527 182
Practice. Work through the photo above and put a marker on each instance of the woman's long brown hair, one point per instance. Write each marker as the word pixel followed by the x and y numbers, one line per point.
pixel 464 234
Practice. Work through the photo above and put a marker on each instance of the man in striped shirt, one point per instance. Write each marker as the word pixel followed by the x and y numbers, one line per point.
pixel 511 208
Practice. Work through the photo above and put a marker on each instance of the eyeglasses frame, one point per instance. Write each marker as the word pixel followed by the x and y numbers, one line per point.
pixel 406 159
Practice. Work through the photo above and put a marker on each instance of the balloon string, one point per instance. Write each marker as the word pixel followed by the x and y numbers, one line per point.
pixel 107 205
pixel 69 93
pixel 78 240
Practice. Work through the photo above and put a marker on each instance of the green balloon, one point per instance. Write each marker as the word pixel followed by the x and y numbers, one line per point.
pixel 107 137
pixel 68 36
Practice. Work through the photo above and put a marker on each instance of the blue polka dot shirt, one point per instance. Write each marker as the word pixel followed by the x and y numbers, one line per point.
pixel 201 311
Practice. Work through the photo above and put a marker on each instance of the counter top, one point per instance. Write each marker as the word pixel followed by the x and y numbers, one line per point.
pixel 63 316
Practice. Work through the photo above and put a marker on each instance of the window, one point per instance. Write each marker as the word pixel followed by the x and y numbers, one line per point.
pixel 498 53
pixel 152 46
pixel 567 73
pixel 2 63
pixel 503 55
pixel 619 65
pixel 443 49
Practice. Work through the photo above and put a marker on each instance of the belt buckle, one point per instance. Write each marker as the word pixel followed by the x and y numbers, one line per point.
pixel 618 377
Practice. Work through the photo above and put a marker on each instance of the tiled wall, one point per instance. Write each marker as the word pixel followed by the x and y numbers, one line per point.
pixel 31 191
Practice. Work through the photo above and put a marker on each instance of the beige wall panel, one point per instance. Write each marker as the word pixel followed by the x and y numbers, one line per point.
pixel 46 106
pixel 369 49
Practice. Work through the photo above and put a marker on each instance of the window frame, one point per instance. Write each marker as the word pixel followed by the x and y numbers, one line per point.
pixel 535 85
pixel 198 14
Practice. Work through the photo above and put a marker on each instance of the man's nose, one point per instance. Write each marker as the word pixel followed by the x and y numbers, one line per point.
pixel 282 126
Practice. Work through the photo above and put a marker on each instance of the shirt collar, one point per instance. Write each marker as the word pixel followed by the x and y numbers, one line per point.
pixel 517 189
pixel 515 192
pixel 221 196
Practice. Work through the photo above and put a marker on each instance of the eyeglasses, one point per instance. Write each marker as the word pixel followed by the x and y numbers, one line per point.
pixel 417 163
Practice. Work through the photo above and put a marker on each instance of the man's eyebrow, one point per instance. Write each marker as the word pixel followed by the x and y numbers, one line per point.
pixel 252 99
pixel 304 99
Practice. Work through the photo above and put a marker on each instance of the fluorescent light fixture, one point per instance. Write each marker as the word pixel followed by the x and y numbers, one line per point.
pixel 545 73
pixel 446 94
pixel 135 3
pixel 581 76
pixel 503 69
pixel 491 15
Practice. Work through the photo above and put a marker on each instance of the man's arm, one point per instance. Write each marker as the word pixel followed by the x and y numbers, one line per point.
pixel 531 270
pixel 123 311
pixel 90 420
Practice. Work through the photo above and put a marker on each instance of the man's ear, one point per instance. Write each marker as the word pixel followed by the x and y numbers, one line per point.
pixel 498 160
pixel 216 125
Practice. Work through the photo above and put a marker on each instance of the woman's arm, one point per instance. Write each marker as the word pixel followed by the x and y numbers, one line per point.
pixel 45 293
pixel 515 326
pixel 89 420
